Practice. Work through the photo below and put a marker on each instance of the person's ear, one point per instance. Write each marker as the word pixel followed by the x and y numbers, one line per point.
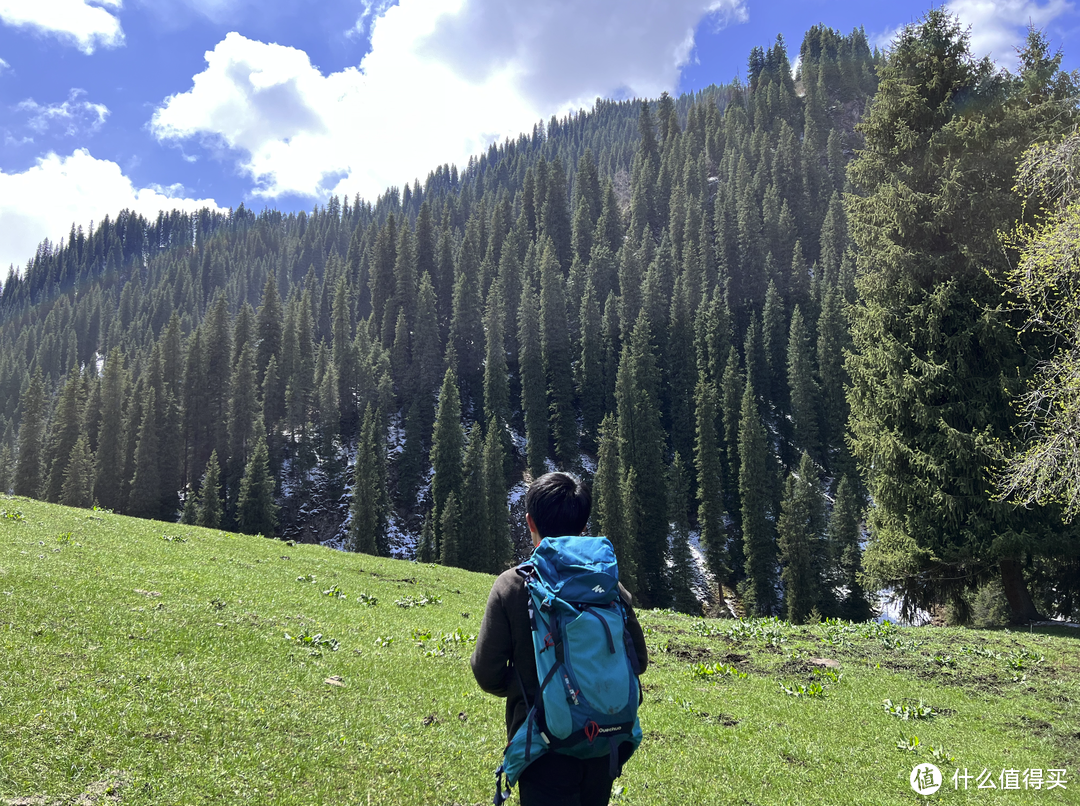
pixel 534 533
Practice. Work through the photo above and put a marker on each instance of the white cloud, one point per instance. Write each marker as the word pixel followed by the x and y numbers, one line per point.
pixel 442 81
pixel 4 66
pixel 74 115
pixel 883 41
pixel 998 27
pixel 83 23
pixel 43 201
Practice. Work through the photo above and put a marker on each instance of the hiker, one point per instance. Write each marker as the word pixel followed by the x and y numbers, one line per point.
pixel 505 660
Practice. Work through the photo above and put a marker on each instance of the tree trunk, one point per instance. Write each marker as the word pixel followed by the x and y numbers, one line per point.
pixel 1020 603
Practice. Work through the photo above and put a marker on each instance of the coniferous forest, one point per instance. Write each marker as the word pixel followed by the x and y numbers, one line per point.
pixel 772 319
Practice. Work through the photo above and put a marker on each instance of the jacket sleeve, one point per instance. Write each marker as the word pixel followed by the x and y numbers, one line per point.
pixel 636 633
pixel 494 645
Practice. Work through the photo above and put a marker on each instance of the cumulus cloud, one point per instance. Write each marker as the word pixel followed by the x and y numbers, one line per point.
pixel 86 24
pixel 4 67
pixel 998 27
pixel 43 201
pixel 73 116
pixel 573 50
pixel 441 81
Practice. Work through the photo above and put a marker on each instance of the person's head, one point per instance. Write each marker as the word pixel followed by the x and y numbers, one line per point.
pixel 557 504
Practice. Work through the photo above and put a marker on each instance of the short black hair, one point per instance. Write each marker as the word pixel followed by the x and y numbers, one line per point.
pixel 559 504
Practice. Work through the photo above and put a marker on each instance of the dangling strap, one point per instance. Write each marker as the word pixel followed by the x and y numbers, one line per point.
pixel 607 629
pixel 501 795
pixel 614 768
pixel 628 642
pixel 532 711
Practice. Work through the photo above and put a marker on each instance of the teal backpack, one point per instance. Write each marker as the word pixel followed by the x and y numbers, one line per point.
pixel 588 670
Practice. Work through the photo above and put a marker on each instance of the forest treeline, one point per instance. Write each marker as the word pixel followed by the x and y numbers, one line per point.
pixel 744 313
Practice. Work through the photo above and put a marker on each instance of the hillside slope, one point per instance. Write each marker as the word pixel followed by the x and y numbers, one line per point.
pixel 146 663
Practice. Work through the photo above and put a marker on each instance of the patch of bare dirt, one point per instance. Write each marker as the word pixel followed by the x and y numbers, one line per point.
pixel 99 793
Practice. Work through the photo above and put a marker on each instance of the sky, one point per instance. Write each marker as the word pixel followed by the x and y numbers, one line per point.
pixel 162 104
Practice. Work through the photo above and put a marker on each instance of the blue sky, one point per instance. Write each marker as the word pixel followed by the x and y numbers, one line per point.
pixel 153 104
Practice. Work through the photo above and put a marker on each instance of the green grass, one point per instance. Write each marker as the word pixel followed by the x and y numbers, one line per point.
pixel 152 658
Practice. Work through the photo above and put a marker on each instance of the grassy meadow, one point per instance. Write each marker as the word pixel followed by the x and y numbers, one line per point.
pixel 154 663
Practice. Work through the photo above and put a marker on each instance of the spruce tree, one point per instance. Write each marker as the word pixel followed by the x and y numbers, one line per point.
pixel 555 218
pixel 5 468
pixel 774 348
pixel 833 241
pixel 641 446
pixel 109 459
pixel 631 277
pixel 611 348
pixel 217 375
pixel 833 340
pixel 730 399
pixel 243 330
pixel 399 357
pixel 533 389
pixel 589 368
pixel 757 370
pixel 843 537
pixel 933 352
pixel 269 320
pixel 680 373
pixel 78 487
pixel 609 513
pixel 803 389
pixel 209 510
pixel 681 571
pixel 273 395
pixel 447 447
pixel 381 279
pixel 256 510
pixel 450 529
pixel 66 427
pixel 369 507
pixel 496 514
pixel 328 409
pixel 144 498
pixel 466 322
pixel 555 348
pixel 426 551
pixel 243 414
pixel 403 300
pixel 496 378
pixel 411 463
pixel 800 533
pixel 344 358
pixel 195 425
pixel 710 511
pixel 755 491
pixel 28 465
pixel 474 550
pixel 427 366
pixel 609 227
